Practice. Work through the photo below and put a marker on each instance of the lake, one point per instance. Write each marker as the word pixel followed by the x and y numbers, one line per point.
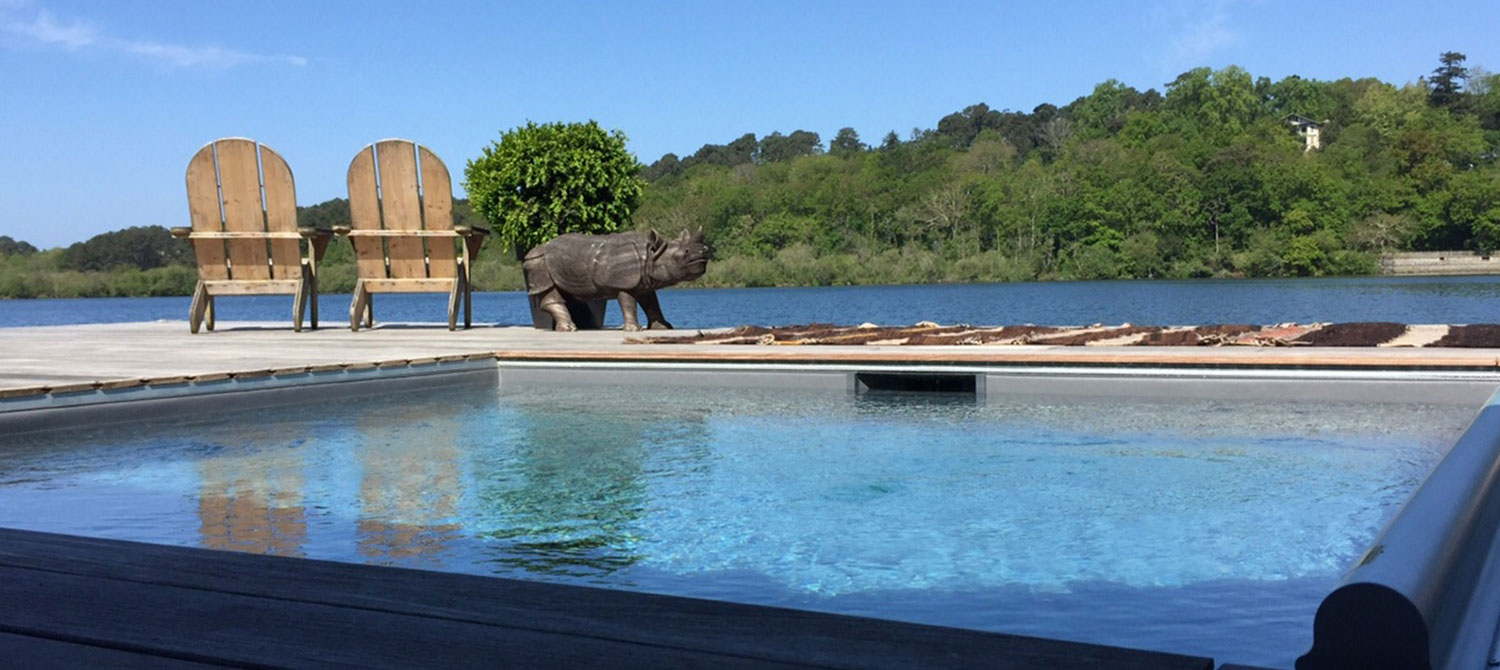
pixel 1150 302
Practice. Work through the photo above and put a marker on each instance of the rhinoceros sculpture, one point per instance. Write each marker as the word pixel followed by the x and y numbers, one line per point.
pixel 626 266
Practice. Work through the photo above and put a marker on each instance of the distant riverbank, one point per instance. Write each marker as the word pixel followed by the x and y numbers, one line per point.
pixel 1454 300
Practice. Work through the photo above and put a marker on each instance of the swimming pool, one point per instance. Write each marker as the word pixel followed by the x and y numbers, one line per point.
pixel 1186 522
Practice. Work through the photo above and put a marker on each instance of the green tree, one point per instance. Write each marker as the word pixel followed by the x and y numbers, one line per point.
pixel 1305 97
pixel 777 147
pixel 539 181
pixel 1484 92
pixel 1103 112
pixel 846 142
pixel 1216 103
pixel 1446 87
pixel 989 154
pixel 140 247
pixel 10 247
pixel 738 152
pixel 324 215
pixel 1380 232
pixel 666 166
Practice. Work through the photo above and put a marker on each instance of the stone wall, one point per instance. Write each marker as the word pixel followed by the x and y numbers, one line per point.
pixel 1439 263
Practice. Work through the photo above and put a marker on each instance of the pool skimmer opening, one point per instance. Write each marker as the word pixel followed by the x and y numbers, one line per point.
pixel 917 382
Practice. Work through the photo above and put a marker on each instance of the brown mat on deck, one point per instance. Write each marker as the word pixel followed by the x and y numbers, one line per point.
pixel 1357 334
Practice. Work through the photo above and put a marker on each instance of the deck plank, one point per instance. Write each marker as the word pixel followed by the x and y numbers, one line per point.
pixel 230 629
pixel 394 603
pixel 24 651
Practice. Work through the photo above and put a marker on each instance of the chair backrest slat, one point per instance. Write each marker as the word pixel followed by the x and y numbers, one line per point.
pixel 203 210
pixel 400 208
pixel 364 213
pixel 437 214
pixel 281 214
pixel 239 186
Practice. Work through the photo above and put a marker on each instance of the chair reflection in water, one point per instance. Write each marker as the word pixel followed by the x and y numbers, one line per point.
pixel 409 486
pixel 254 501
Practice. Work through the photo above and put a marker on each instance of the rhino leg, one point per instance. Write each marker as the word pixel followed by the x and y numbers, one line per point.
pixel 627 310
pixel 654 319
pixel 552 303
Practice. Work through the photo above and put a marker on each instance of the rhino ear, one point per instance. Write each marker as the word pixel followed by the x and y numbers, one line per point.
pixel 685 236
pixel 655 245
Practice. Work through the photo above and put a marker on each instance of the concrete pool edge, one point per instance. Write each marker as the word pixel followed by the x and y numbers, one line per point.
pixel 145 398
pixel 42 408
pixel 1468 388
pixel 1268 382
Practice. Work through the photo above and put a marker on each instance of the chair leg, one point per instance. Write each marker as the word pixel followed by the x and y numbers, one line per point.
pixel 298 303
pixel 468 300
pixel 453 301
pixel 195 310
pixel 369 309
pixel 210 323
pixel 312 298
pixel 357 306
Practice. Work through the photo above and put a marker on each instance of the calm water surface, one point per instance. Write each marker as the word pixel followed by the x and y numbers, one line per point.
pixel 1198 527
pixel 1262 301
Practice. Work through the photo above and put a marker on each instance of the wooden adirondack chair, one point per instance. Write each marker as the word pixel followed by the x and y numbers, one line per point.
pixel 244 233
pixel 401 206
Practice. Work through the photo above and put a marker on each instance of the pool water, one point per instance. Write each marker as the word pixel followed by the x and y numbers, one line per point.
pixel 1193 526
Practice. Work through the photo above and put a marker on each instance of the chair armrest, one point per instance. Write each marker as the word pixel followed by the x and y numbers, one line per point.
pixel 181 232
pixel 403 233
pixel 313 231
pixel 341 229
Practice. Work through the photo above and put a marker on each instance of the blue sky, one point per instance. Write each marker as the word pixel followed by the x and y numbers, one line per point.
pixel 104 102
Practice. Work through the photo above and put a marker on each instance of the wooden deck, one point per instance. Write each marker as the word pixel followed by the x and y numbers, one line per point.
pixel 59 359
pixel 78 602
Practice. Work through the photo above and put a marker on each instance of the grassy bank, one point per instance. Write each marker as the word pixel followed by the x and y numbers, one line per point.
pixel 41 275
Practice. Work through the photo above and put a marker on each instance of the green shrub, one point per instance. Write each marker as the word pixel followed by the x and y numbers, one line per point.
pixel 540 181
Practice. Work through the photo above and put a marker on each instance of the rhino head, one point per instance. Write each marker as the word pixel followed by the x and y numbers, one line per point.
pixel 681 259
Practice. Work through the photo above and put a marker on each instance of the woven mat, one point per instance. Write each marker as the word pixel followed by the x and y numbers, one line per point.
pixel 1358 334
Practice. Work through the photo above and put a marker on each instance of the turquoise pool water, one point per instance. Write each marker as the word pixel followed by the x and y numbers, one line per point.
pixel 1196 527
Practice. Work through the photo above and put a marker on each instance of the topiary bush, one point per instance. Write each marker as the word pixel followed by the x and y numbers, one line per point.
pixel 539 181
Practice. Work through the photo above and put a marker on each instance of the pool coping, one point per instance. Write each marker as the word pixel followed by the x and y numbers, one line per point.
pixel 43 360
pixel 1420 592
pixel 829 373
pixel 58 366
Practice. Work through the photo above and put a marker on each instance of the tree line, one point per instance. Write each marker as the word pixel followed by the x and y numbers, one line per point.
pixel 1208 177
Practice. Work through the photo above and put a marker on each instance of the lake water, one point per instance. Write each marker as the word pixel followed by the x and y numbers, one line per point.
pixel 1152 302
pixel 1197 526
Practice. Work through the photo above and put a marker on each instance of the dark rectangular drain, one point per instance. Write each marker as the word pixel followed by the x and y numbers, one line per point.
pixel 917 382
